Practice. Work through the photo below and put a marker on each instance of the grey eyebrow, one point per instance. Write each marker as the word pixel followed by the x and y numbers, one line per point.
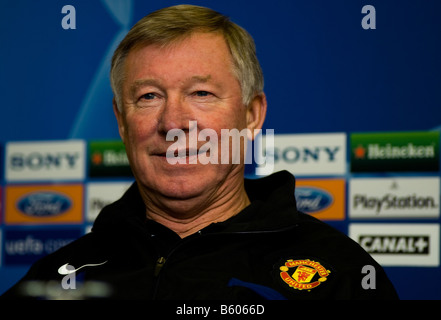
pixel 201 78
pixel 154 82
pixel 142 82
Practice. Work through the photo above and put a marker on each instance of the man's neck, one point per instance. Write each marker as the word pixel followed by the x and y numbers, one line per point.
pixel 194 214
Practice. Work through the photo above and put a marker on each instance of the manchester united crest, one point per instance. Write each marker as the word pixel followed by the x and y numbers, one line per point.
pixel 303 274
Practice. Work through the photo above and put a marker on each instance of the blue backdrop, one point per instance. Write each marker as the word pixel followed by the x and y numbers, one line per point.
pixel 323 73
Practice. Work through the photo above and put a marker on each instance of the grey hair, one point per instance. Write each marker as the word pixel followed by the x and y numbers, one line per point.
pixel 169 25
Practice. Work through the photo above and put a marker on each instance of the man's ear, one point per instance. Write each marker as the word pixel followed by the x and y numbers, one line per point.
pixel 256 113
pixel 119 119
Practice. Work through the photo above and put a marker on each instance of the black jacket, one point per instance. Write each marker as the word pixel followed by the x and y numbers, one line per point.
pixel 267 251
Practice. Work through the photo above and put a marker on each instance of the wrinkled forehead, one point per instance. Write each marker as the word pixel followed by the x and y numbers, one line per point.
pixel 214 46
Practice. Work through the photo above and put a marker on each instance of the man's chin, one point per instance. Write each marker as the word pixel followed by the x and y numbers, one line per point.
pixel 179 188
pixel 172 194
pixel 184 184
pixel 183 203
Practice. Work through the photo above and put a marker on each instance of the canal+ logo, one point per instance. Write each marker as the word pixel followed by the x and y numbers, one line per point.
pixel 50 160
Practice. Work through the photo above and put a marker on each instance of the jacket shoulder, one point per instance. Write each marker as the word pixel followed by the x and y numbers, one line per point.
pixel 85 250
pixel 347 258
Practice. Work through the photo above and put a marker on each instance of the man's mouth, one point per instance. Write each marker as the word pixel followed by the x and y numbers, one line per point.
pixel 182 153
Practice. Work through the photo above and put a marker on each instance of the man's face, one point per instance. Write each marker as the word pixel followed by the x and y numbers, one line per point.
pixel 165 89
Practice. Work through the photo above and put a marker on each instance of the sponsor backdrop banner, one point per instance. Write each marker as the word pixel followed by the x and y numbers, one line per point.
pixel 23 247
pixel 402 151
pixel 43 204
pixel 353 92
pixel 36 161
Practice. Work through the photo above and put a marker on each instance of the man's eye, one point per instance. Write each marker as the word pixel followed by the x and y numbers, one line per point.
pixel 202 93
pixel 148 96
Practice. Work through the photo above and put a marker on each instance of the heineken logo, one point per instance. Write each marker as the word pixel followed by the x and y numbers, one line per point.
pixel 398 151
pixel 108 159
pixel 376 151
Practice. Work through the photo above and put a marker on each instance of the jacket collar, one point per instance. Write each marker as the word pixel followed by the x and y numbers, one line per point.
pixel 272 207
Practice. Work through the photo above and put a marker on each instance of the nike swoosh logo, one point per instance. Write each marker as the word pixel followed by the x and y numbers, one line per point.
pixel 64 270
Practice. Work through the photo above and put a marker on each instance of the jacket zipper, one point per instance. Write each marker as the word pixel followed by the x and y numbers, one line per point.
pixel 158 267
pixel 159 264
pixel 162 260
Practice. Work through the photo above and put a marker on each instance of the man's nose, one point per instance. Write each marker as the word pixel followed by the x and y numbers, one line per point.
pixel 176 113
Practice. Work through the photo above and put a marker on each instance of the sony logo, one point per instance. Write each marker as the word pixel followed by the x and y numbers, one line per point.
pixel 292 154
pixel 38 161
pixel 310 154
pixel 45 160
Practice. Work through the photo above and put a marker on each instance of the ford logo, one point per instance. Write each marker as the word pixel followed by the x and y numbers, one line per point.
pixel 311 199
pixel 43 204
